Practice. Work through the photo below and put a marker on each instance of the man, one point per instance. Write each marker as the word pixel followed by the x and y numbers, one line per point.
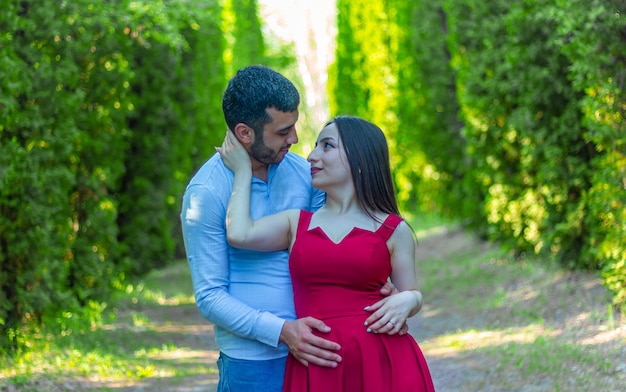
pixel 248 295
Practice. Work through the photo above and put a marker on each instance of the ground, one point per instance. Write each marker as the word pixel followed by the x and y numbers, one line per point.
pixel 453 370
pixel 573 299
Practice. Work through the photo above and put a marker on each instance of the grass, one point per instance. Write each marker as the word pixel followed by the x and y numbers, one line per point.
pixel 495 323
pixel 516 325
pixel 135 340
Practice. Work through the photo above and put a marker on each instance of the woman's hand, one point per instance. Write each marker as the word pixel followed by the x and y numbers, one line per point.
pixel 389 315
pixel 233 154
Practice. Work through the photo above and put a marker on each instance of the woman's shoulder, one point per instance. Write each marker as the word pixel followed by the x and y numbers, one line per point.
pixel 388 219
pixel 403 232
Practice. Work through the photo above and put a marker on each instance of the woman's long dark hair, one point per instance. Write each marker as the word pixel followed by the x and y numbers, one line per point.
pixel 368 157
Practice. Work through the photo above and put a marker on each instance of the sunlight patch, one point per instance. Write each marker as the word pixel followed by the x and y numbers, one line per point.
pixel 178 328
pixel 182 353
pixel 605 337
pixel 454 344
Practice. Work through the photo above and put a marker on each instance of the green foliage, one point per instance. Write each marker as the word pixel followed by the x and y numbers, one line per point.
pixel 242 28
pixel 522 126
pixel 541 92
pixel 508 116
pixel 47 195
pixel 365 77
pixel 593 40
pixel 157 93
pixel 132 337
pixel 363 81
pixel 107 109
pixel 429 152
pixel 392 68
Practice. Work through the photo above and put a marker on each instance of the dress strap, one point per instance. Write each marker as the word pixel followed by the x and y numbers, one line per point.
pixel 304 221
pixel 389 226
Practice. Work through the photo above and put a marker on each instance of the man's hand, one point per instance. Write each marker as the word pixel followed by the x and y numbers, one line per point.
pixel 305 346
pixel 387 290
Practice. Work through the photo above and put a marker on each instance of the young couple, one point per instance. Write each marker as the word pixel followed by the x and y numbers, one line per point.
pixel 257 218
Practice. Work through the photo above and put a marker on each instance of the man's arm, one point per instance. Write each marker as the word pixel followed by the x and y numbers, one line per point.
pixel 204 232
pixel 203 218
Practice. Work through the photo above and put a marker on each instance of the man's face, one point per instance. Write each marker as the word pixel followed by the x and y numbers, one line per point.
pixel 278 136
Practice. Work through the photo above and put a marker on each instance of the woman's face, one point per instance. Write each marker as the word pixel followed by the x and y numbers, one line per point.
pixel 329 165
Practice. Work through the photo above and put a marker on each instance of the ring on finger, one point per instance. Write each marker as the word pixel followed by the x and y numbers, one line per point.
pixel 391 323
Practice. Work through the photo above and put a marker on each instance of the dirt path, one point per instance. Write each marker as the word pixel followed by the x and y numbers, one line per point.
pixel 453 370
pixel 450 373
pixel 573 314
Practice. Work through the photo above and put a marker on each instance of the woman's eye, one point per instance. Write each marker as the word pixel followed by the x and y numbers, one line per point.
pixel 328 145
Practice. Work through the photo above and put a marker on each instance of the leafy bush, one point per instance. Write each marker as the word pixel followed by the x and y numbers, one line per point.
pixel 104 106
pixel 594 39
pixel 507 115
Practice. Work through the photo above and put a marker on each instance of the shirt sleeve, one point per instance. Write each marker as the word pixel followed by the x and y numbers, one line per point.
pixel 318 198
pixel 204 233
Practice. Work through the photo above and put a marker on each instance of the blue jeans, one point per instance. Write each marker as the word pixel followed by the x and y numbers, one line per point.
pixel 240 375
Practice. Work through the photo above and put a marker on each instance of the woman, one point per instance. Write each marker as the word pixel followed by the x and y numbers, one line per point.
pixel 339 258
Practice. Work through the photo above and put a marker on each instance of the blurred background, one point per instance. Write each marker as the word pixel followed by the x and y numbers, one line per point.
pixel 506 117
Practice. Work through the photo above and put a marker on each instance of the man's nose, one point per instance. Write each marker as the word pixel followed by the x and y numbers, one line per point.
pixel 293 137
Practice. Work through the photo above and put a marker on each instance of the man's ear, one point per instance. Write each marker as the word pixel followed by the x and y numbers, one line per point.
pixel 244 134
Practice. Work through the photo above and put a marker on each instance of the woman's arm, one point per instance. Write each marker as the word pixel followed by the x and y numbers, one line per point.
pixel 390 314
pixel 403 274
pixel 269 233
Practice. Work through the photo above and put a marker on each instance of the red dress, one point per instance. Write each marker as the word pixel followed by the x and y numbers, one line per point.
pixel 334 282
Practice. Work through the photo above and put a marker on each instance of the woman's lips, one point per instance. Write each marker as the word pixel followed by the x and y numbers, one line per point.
pixel 315 170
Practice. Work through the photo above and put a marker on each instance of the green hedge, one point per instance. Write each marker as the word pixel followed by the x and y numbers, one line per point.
pixel 430 164
pixel 594 41
pixel 541 89
pixel 107 108
pixel 522 124
pixel 510 117
pixel 392 67
pixel 506 115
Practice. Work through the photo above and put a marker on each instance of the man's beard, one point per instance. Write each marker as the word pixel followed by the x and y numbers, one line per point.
pixel 263 153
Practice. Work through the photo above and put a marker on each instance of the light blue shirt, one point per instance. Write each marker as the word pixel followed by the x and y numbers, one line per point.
pixel 247 295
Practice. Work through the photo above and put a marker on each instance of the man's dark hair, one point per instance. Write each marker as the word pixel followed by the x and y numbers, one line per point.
pixel 252 91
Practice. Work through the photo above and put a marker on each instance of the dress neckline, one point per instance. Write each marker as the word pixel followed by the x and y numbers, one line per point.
pixel 349 233
pixel 319 228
